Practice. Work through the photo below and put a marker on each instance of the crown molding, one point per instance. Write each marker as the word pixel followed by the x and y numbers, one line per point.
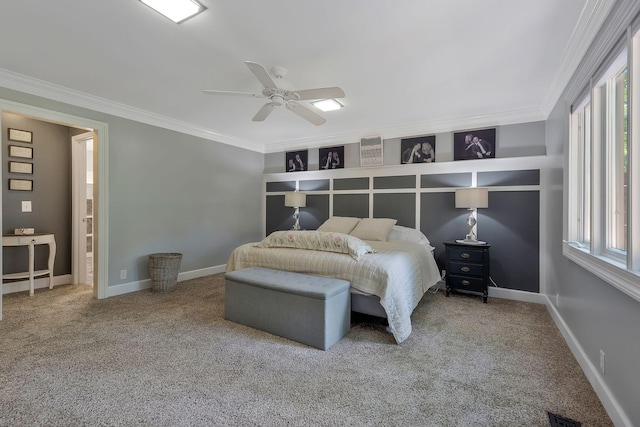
pixel 593 15
pixel 29 85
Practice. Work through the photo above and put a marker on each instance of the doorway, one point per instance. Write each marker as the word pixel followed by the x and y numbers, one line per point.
pixel 82 216
pixel 100 220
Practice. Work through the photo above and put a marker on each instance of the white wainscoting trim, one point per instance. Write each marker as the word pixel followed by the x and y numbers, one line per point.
pixel 613 408
pixel 140 285
pixel 38 283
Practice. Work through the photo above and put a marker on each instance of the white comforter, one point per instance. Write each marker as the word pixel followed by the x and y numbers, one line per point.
pixel 399 273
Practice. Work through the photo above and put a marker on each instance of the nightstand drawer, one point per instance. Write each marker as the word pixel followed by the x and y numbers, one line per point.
pixel 465 269
pixel 466 254
pixel 474 284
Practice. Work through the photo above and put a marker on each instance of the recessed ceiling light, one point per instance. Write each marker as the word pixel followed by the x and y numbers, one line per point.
pixel 327 105
pixel 176 10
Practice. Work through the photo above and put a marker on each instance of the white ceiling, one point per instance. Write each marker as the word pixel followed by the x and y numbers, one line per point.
pixel 408 67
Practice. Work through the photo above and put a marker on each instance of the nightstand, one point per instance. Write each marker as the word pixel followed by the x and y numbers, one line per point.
pixel 467 268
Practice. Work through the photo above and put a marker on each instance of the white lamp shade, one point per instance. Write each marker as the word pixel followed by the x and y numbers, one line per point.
pixel 472 198
pixel 294 199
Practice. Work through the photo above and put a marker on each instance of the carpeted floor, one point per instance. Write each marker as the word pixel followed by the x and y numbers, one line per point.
pixel 171 359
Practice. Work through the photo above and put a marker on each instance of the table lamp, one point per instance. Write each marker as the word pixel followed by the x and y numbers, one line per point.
pixel 296 200
pixel 472 198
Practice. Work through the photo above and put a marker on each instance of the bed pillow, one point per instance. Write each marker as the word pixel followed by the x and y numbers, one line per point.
pixel 339 224
pixel 374 229
pixel 317 241
pixel 407 234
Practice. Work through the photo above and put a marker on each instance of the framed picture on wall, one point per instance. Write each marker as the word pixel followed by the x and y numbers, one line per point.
pixel 474 144
pixel 421 149
pixel 331 158
pixel 21 184
pixel 23 152
pixel 20 135
pixel 21 167
pixel 371 151
pixel 296 161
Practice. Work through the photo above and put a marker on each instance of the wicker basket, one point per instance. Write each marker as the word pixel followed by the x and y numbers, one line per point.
pixel 163 271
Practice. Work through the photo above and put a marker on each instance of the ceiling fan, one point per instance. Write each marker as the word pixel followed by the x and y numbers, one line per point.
pixel 280 92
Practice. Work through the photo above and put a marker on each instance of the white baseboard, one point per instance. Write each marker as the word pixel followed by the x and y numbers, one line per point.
pixel 615 411
pixel 140 285
pixel 516 295
pixel 38 283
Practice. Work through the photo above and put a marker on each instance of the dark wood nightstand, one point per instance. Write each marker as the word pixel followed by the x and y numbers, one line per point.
pixel 467 268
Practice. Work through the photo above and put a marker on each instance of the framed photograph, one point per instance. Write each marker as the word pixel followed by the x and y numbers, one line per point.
pixel 21 184
pixel 474 144
pixel 331 158
pixel 17 151
pixel 296 161
pixel 20 135
pixel 421 149
pixel 371 151
pixel 21 167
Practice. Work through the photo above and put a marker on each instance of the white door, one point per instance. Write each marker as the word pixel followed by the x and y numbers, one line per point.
pixel 82 216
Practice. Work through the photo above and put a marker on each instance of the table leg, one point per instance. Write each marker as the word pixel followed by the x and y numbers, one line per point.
pixel 52 257
pixel 31 268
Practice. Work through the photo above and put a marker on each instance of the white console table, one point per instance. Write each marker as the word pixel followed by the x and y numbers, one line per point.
pixel 31 240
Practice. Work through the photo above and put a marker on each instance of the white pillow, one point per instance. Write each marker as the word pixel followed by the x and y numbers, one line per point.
pixel 339 224
pixel 407 234
pixel 374 229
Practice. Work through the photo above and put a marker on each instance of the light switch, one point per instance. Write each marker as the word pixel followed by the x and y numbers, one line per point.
pixel 26 206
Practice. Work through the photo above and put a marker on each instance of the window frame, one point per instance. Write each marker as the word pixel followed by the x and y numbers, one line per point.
pixel 617 267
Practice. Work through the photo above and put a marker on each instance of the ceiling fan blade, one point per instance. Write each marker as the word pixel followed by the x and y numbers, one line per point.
pixel 264 112
pixel 227 92
pixel 262 74
pixel 305 113
pixel 321 93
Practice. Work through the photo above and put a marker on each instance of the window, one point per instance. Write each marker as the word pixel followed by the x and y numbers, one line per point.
pixel 600 233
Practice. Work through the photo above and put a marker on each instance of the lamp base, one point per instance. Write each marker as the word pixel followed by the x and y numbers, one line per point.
pixel 471 242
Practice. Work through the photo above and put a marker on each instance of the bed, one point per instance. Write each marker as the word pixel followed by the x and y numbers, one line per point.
pixel 395 272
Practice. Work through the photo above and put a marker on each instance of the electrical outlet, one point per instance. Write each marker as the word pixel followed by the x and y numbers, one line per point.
pixel 443 274
pixel 557 299
pixel 123 274
pixel 26 206
pixel 601 362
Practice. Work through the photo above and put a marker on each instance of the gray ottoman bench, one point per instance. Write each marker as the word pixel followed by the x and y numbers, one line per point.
pixel 312 310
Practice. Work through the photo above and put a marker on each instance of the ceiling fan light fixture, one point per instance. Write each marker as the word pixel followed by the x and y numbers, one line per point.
pixel 176 10
pixel 327 105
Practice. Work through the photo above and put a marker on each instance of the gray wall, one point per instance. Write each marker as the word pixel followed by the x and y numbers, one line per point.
pixel 598 315
pixel 517 140
pixel 50 198
pixel 171 192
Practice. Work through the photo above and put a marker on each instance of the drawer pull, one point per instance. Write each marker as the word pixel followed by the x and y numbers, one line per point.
pixel 465 269
pixel 466 282
pixel 465 255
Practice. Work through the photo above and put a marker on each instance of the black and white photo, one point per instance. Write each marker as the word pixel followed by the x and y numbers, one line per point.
pixel 474 144
pixel 418 150
pixel 331 158
pixel 296 161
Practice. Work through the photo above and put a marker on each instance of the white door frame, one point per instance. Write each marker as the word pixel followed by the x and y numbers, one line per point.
pixel 100 184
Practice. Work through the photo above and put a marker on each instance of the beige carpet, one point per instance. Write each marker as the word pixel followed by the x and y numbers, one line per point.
pixel 172 360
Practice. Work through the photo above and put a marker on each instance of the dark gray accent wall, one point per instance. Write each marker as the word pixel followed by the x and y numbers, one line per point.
pixel 508 178
pixel 440 221
pixel 446 180
pixel 389 182
pixel 400 206
pixel 353 205
pixel 274 187
pixel 50 198
pixel 316 212
pixel 351 184
pixel 511 224
pixel 314 185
